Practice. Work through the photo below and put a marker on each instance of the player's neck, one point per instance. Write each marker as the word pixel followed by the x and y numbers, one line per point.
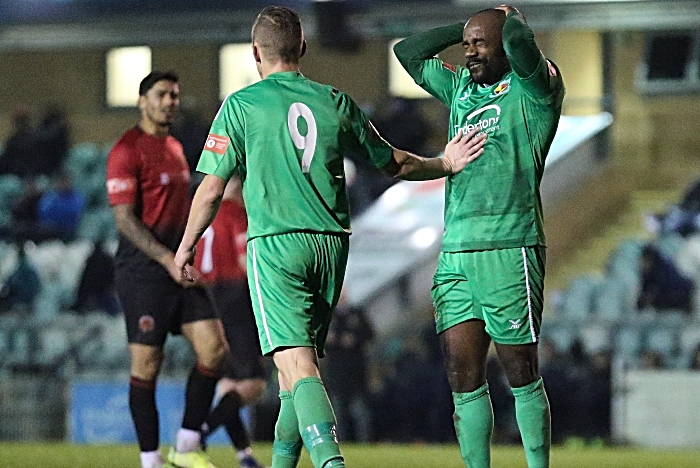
pixel 150 128
pixel 277 67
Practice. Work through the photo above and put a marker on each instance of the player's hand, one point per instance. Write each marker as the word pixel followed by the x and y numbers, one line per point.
pixel 463 149
pixel 506 8
pixel 181 271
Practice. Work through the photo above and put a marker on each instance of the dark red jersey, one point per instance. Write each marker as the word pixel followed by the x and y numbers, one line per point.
pixel 152 174
pixel 223 244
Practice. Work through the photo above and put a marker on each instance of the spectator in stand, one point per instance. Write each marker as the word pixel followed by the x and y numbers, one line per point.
pixel 59 210
pixel 17 155
pixel 24 214
pixel 22 287
pixel 663 287
pixel 96 289
pixel 683 218
pixel 651 360
pixel 51 142
pixel 348 337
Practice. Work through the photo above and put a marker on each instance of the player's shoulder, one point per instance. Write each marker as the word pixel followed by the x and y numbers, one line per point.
pixel 126 144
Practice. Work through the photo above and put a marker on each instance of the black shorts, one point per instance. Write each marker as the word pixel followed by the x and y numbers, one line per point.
pixel 156 306
pixel 232 301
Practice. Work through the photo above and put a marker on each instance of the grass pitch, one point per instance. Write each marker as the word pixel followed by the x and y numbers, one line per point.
pixel 60 455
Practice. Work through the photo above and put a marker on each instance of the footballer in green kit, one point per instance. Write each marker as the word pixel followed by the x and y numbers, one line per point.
pixel 285 137
pixel 490 276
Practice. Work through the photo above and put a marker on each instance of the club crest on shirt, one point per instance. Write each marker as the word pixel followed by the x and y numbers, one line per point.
pixel 502 88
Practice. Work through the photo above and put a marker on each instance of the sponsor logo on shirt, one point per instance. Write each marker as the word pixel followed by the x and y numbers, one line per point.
pixel 120 185
pixel 502 88
pixel 487 122
pixel 216 143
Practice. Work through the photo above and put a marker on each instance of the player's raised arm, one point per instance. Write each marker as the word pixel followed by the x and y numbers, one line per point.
pixel 459 152
pixel 417 55
pixel 525 58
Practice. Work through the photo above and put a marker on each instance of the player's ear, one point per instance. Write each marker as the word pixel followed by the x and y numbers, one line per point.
pixel 303 48
pixel 142 102
pixel 256 53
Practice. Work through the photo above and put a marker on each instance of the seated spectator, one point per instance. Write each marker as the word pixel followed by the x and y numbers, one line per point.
pixel 59 210
pixel 51 142
pixel 663 287
pixel 17 155
pixel 96 289
pixel 24 213
pixel 22 287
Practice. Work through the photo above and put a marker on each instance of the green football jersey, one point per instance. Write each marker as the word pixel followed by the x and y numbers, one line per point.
pixel 495 201
pixel 286 136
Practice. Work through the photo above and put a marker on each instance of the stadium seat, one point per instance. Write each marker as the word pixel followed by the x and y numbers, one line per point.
pixel 629 341
pixel 612 301
pixel 97 224
pixel 662 340
pixel 577 299
pixel 52 347
pixel 11 189
pixel 595 337
pixel 561 336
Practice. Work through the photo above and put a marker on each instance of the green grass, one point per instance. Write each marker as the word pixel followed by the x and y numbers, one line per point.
pixel 42 455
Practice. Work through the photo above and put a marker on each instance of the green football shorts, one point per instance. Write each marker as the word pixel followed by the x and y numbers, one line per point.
pixel 502 287
pixel 295 281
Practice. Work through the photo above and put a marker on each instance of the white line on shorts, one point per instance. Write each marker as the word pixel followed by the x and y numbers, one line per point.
pixel 529 296
pixel 257 291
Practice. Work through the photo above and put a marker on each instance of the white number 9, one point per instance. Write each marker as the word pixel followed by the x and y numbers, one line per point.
pixel 303 142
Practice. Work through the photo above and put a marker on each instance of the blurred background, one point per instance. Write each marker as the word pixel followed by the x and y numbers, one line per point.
pixel 621 195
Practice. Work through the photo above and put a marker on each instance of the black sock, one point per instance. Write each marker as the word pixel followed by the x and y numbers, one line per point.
pixel 198 396
pixel 227 412
pixel 142 403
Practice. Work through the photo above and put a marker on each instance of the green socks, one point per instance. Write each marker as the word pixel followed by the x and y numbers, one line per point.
pixel 473 419
pixel 317 423
pixel 286 448
pixel 532 414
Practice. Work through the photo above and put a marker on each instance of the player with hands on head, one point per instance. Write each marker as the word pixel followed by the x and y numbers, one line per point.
pixel 147 184
pixel 490 277
pixel 285 137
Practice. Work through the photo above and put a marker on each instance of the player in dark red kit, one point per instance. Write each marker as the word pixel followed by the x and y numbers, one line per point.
pixel 147 183
pixel 221 258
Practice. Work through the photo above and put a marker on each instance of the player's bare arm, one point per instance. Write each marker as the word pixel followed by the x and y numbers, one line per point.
pixel 205 204
pixel 459 152
pixel 131 227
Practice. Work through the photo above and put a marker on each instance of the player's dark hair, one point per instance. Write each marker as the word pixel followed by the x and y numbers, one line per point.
pixel 277 30
pixel 154 77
